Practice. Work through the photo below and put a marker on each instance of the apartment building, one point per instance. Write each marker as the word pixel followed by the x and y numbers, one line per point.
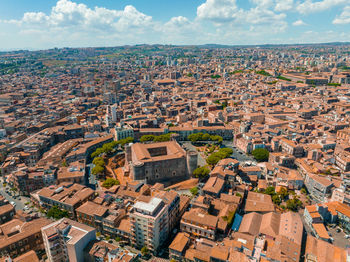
pixel 291 147
pixel 149 223
pixel 342 160
pixel 27 182
pixel 200 224
pixel 91 214
pixel 18 237
pixel 65 240
pixel 65 196
pixel 318 186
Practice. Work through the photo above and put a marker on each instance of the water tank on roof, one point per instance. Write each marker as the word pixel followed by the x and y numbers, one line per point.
pixel 58 190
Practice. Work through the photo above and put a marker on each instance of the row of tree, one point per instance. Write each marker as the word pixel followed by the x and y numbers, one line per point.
pixel 107 148
pixel 204 137
pixel 99 167
pixel 153 138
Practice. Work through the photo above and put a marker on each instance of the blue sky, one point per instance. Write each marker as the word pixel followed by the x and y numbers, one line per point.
pixel 41 24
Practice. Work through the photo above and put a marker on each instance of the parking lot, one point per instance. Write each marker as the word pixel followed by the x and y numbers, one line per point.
pixel 335 233
pixel 13 197
pixel 339 239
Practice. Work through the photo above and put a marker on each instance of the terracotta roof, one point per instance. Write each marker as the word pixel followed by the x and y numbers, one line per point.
pixel 180 242
pixel 16 230
pixel 195 216
pixel 30 256
pixel 320 230
pixel 91 209
pixel 322 251
pixel 214 185
pixel 257 202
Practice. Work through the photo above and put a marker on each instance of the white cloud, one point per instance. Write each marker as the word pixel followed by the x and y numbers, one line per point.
pixel 68 14
pixel 263 3
pixel 299 23
pixel 226 13
pixel 181 30
pixel 284 5
pixel 218 21
pixel 344 17
pixel 309 6
pixel 217 10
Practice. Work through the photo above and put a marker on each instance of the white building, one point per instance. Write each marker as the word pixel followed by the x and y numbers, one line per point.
pixel 65 240
pixel 150 225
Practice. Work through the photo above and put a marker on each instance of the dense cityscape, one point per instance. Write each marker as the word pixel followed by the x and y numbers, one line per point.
pixel 175 153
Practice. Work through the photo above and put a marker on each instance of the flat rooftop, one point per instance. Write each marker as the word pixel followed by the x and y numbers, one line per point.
pixel 149 207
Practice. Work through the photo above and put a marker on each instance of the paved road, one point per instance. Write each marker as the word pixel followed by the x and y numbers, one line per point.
pixel 90 178
pixel 237 154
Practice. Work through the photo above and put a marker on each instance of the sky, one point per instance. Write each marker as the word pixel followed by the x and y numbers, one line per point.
pixel 43 24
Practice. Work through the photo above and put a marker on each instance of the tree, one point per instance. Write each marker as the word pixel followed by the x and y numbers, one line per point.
pixel 194 191
pixel 213 159
pixel 109 182
pixel 201 172
pixel 97 152
pixel 260 154
pixel 56 213
pixel 107 148
pixel 114 144
pixel 195 137
pixel 98 161
pixel 97 170
pixel 147 138
pixel 270 191
pixel 144 251
pixel 226 151
pixel 125 141
pixel 276 199
pixel 117 239
pixel 283 193
pixel 294 204
pixel 162 138
pixel 216 138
